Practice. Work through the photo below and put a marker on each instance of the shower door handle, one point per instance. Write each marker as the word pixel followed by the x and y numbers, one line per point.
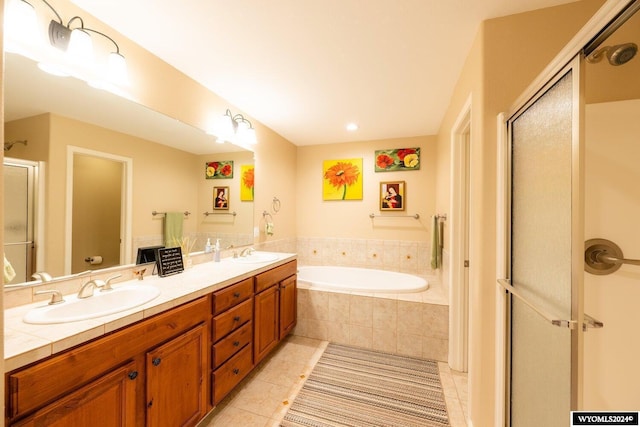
pixel 590 322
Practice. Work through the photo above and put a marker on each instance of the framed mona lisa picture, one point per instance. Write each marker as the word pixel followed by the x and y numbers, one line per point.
pixel 392 196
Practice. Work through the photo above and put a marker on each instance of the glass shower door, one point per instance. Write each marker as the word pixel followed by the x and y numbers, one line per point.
pixel 545 233
pixel 18 217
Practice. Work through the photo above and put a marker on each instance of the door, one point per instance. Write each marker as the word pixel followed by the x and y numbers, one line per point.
pixel 266 312
pixel 110 399
pixel 545 254
pixel 19 214
pixel 288 306
pixel 176 380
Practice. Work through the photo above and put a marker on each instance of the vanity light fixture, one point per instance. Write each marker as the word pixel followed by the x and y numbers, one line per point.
pixel 352 127
pixel 234 128
pixel 74 40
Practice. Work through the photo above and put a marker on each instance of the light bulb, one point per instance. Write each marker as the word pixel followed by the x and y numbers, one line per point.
pixel 80 45
pixel 117 67
pixel 21 27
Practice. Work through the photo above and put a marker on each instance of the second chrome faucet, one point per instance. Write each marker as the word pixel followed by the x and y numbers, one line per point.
pixel 88 288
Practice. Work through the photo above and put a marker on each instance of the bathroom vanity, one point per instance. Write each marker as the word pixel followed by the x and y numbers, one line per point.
pixel 172 366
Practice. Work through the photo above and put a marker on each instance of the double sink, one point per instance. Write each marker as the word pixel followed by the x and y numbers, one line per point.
pixel 120 298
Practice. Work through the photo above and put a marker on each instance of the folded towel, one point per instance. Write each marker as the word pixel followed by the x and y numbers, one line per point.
pixel 9 272
pixel 436 254
pixel 268 229
pixel 173 229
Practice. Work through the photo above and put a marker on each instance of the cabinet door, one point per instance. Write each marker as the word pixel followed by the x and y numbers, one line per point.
pixel 110 399
pixel 177 380
pixel 288 306
pixel 265 335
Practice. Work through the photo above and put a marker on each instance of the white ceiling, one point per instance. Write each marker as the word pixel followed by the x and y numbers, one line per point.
pixel 305 68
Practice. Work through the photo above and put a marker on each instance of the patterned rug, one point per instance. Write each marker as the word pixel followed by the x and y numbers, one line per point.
pixel 358 387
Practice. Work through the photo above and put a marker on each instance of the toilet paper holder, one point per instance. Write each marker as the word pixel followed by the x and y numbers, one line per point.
pixel 93 260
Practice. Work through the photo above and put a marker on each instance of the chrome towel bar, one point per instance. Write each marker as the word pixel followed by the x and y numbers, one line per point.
pixel 416 216
pixel 571 324
pixel 220 213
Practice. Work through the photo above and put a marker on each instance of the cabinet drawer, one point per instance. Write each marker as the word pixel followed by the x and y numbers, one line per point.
pixel 273 276
pixel 231 373
pixel 232 319
pixel 231 344
pixel 232 295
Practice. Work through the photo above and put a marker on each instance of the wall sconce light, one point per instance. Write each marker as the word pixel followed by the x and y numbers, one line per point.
pixel 236 129
pixel 23 36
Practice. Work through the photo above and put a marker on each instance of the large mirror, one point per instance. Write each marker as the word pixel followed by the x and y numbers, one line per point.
pixel 104 172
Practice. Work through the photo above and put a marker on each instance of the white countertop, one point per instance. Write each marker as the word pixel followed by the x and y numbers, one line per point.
pixel 26 343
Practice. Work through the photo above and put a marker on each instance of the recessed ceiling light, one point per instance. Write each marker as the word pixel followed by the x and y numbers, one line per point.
pixel 352 127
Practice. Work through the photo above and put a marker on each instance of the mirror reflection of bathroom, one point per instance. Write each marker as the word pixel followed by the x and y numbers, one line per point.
pixel 612 209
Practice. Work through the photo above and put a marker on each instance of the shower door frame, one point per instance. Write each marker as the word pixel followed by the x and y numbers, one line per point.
pixel 601 20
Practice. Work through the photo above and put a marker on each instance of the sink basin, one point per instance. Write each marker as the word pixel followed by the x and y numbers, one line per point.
pixel 256 257
pixel 121 298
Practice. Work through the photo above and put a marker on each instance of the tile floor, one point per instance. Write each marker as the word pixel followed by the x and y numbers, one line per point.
pixel 262 399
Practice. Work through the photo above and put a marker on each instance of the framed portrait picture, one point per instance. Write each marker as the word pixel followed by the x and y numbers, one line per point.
pixel 221 198
pixel 392 196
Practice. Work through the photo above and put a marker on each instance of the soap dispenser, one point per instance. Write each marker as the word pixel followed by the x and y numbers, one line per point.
pixel 216 251
pixel 207 247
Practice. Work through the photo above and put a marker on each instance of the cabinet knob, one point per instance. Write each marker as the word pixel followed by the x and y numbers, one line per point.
pixel 236 294
pixel 156 361
pixel 236 319
pixel 236 343
pixel 150 404
pixel 133 375
pixel 236 371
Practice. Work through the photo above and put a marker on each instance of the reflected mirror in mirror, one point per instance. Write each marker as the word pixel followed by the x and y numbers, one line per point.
pixel 56 115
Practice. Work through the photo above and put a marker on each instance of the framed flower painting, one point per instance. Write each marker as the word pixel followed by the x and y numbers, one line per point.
pixel 397 159
pixel 246 183
pixel 219 170
pixel 342 179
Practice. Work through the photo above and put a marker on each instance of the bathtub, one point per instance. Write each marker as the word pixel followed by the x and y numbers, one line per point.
pixel 359 280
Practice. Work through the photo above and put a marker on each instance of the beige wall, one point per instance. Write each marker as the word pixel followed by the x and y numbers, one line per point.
pixel 612 209
pixel 350 219
pixel 508 54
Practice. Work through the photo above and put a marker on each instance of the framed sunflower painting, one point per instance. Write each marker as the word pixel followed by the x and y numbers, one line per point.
pixel 342 179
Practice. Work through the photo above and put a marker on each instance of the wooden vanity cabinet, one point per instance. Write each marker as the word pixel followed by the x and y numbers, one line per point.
pixel 232 332
pixel 275 308
pixel 176 372
pixel 109 378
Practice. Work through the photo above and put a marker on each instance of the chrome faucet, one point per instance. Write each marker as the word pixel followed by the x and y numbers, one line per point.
pixel 247 251
pixel 107 284
pixel 87 289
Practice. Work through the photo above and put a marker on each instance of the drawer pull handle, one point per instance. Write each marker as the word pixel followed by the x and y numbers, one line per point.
pixel 156 361
pixel 236 371
pixel 133 375
pixel 236 343
pixel 236 294
pixel 236 319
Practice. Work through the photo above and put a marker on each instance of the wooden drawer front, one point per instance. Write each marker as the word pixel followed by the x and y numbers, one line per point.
pixel 231 344
pixel 231 373
pixel 232 295
pixel 273 276
pixel 232 319
pixel 32 387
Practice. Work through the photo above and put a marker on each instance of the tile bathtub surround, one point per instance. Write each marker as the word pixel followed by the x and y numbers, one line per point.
pixel 389 323
pixel 402 256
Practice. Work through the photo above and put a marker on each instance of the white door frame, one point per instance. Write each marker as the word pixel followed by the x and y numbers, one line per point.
pixel 458 232
pixel 126 212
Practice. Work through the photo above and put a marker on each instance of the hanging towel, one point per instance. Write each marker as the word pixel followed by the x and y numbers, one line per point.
pixel 9 272
pixel 173 229
pixel 436 254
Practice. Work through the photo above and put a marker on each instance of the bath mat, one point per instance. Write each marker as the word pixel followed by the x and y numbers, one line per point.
pixel 358 387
